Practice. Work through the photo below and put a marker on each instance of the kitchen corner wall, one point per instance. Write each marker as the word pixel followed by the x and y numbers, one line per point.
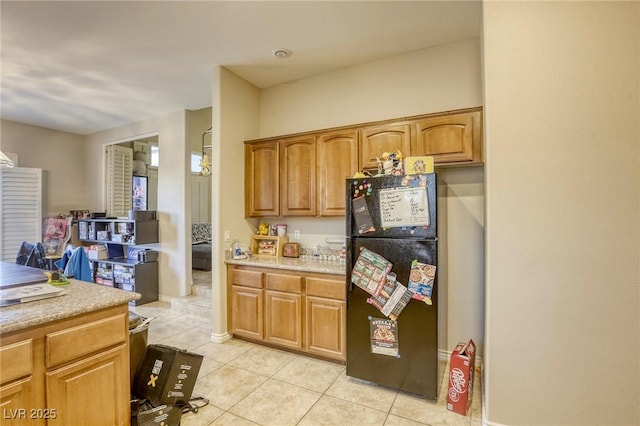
pixel 441 78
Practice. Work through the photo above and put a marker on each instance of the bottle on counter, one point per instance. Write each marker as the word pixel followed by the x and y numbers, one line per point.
pixel 236 250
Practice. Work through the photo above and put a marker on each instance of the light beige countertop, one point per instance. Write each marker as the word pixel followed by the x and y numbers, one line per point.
pixel 334 267
pixel 81 298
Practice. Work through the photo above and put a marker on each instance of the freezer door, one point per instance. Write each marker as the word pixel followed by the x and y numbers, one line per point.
pixel 401 208
pixel 415 369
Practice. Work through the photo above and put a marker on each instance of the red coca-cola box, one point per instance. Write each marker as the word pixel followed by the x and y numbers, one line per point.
pixel 461 369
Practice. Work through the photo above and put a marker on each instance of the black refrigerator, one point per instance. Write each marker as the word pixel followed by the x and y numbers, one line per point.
pixel 393 217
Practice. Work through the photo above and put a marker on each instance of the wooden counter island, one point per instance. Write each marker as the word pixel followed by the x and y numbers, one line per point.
pixel 65 360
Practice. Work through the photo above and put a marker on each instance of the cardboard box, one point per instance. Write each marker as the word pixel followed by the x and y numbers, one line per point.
pixel 97 252
pixel 163 415
pixel 166 375
pixel 461 372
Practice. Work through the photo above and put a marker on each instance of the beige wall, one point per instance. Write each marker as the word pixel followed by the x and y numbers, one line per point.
pixel 562 87
pixel 60 155
pixel 437 79
pixel 235 119
pixel 174 192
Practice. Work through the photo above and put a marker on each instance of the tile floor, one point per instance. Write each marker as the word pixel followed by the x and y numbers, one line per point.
pixel 248 384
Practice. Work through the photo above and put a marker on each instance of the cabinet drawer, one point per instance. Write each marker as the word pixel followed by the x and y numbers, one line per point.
pixel 72 343
pixel 286 283
pixel 15 360
pixel 322 287
pixel 247 278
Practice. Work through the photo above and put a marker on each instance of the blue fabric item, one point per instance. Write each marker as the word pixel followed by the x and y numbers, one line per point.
pixel 78 266
pixel 62 263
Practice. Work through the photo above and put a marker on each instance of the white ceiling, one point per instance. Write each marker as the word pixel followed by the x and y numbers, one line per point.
pixel 85 66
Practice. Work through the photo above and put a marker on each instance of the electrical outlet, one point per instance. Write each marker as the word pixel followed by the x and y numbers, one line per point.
pixel 227 236
pixel 296 235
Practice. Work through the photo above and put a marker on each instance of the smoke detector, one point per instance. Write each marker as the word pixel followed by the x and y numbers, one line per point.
pixel 281 53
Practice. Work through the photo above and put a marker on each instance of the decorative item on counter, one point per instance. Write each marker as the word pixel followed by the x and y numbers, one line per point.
pixel 418 165
pixel 421 279
pixel 267 245
pixel 56 278
pixel 263 229
pixel 281 229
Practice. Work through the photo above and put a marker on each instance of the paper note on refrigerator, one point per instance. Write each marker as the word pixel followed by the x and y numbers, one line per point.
pixel 370 271
pixel 404 207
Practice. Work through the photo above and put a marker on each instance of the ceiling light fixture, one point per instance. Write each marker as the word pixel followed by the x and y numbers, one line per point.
pixel 281 53
pixel 205 164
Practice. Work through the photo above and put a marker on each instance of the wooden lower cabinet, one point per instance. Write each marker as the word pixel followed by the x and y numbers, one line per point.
pixel 89 390
pixel 246 311
pixel 283 315
pixel 303 311
pixel 14 398
pixel 325 319
pixel 68 372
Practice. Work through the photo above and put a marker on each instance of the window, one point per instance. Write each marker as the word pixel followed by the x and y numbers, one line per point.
pixel 20 209
pixel 196 159
pixel 155 156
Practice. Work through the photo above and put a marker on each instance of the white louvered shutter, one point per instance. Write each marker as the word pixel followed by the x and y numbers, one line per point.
pixel 199 199
pixel 152 188
pixel 119 180
pixel 20 209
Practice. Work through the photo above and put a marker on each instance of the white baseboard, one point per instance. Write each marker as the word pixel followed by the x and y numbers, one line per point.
pixel 220 337
pixel 167 299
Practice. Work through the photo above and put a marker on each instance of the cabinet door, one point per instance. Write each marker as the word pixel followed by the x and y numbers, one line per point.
pixel 283 319
pixel 16 402
pixel 450 138
pixel 337 160
pixel 106 375
pixel 246 312
pixel 325 327
pixel 262 185
pixel 298 176
pixel 374 141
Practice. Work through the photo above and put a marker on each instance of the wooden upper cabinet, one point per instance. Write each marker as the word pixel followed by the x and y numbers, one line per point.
pixel 303 174
pixel 452 138
pixel 262 184
pixel 376 140
pixel 298 176
pixel 337 160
